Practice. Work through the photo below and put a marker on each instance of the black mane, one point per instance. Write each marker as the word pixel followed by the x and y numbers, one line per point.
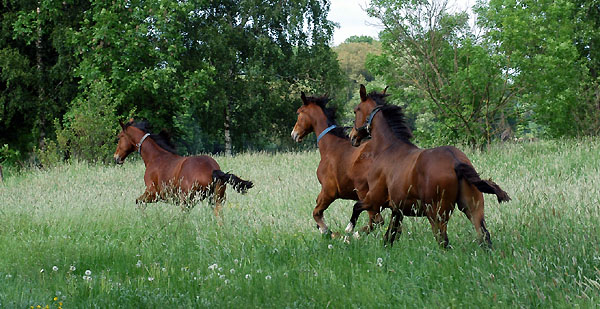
pixel 330 115
pixel 162 139
pixel 394 115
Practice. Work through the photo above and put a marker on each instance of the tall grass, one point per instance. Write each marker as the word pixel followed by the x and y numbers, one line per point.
pixel 265 251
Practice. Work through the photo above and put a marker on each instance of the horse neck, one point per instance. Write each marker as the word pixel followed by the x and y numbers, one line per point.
pixel 382 136
pixel 325 143
pixel 152 152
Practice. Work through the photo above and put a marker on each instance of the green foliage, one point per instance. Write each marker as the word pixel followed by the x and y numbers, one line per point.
pixel 546 246
pixel 459 91
pixel 88 129
pixel 359 39
pixel 549 44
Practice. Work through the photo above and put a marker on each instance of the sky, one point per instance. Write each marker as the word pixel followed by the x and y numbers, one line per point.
pixel 353 20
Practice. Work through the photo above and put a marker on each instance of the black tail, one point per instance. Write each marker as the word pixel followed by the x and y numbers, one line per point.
pixel 468 172
pixel 238 184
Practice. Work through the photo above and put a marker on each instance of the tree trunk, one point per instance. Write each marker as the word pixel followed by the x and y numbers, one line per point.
pixel 41 90
pixel 228 108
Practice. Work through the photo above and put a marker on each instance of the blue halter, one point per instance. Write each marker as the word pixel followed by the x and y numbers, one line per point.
pixel 325 132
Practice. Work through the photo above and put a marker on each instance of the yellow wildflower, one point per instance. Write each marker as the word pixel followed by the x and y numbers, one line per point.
pixel 55 298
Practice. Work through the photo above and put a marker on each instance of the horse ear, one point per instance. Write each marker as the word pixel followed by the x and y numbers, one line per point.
pixel 122 124
pixel 384 90
pixel 363 92
pixel 303 97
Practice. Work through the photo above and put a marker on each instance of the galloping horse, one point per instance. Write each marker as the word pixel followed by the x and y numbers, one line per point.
pixel 416 182
pixel 170 175
pixel 338 158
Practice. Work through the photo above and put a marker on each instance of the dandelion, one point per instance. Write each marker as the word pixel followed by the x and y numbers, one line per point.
pixel 88 272
pixel 163 269
pixel 258 271
pixel 236 261
pixel 232 271
pixel 222 277
pixel 220 269
pixel 72 268
pixel 8 276
pixel 330 246
pixel 226 281
pixel 213 267
pixel 41 271
pixel 379 260
pixel 248 276
pixel 138 264
pixel 54 268
pixel 150 279
pixel 267 277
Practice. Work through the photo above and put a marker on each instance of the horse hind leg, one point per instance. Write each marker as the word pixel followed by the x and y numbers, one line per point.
pixel 394 228
pixel 218 197
pixel 471 202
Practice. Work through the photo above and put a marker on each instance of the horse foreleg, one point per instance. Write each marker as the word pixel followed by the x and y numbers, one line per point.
pixel 323 202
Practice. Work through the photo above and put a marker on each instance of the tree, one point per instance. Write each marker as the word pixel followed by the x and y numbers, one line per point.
pixel 264 52
pixel 463 88
pixel 551 46
pixel 36 62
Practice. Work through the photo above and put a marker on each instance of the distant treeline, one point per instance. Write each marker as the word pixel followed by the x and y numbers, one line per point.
pixel 226 76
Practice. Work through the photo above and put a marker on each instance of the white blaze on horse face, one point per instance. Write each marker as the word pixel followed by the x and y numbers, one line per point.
pixel 349 228
pixel 295 135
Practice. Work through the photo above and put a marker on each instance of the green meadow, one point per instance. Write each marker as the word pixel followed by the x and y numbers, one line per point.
pixel 72 236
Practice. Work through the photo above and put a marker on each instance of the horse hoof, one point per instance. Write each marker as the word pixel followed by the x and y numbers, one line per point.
pixel 347 239
pixel 349 228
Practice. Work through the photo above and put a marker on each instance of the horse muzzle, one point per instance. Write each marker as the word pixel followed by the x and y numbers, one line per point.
pixel 296 137
pixel 118 160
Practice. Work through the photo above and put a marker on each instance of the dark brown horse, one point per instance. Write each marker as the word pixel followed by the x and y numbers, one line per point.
pixel 339 159
pixel 169 175
pixel 417 182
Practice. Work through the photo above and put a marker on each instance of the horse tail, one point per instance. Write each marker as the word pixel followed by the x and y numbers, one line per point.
pixel 469 173
pixel 238 184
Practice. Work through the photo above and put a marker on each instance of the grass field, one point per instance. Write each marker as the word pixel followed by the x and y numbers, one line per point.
pixel 73 237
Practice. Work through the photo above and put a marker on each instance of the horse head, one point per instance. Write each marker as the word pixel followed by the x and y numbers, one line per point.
pixel 363 114
pixel 310 113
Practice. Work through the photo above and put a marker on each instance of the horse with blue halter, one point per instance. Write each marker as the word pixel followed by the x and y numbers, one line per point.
pixel 415 181
pixel 169 175
pixel 339 160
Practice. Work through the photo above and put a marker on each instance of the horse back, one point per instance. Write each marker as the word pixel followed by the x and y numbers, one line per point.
pixel 196 170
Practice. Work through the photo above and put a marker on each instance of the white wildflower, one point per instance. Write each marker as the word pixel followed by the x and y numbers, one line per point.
pixel 54 268
pixel 248 276
pixel 138 264
pixel 330 246
pixel 41 271
pixel 232 271
pixel 72 268
pixel 268 277
pixel 213 266
pixel 150 279
pixel 88 272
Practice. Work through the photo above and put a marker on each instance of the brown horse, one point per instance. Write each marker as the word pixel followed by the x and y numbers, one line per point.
pixel 417 182
pixel 169 175
pixel 339 159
